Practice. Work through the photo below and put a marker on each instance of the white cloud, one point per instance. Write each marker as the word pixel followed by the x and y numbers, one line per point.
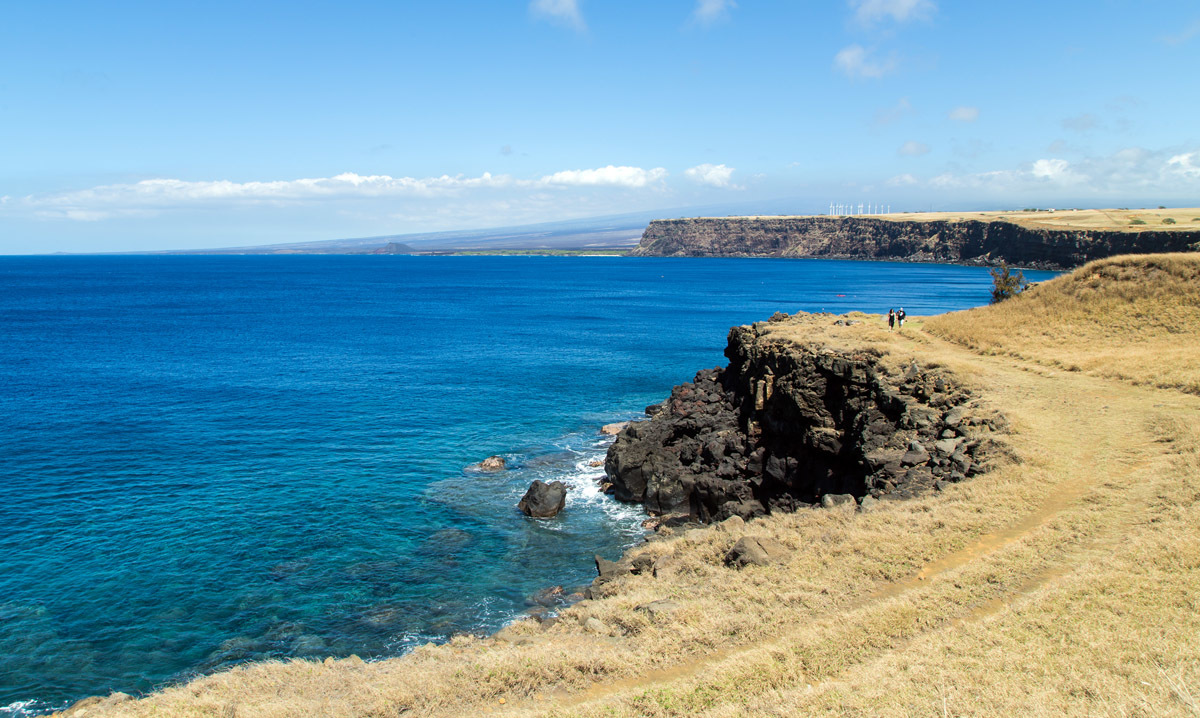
pixel 1184 35
pixel 964 114
pixel 709 11
pixel 856 61
pixel 903 180
pixel 888 115
pixel 1054 170
pixel 152 196
pixel 563 12
pixel 607 176
pixel 1187 165
pixel 871 11
pixel 912 148
pixel 712 175
pixel 1129 173
pixel 1081 123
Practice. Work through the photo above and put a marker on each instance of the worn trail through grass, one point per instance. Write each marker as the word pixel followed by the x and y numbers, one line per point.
pixel 1096 476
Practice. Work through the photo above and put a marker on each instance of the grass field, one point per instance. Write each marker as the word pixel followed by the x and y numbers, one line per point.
pixel 1066 582
pixel 1185 219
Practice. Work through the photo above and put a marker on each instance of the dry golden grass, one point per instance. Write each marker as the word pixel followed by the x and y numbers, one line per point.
pixel 1134 317
pixel 1063 583
pixel 1186 219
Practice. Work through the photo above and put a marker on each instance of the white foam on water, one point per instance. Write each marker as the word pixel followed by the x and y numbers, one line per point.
pixel 579 465
pixel 31 707
pixel 488 615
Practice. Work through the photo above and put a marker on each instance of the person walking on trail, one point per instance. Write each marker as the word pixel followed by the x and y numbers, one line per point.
pixel 900 317
pixel 891 319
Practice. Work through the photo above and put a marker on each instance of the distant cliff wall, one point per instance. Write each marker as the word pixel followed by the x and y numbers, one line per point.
pixel 965 242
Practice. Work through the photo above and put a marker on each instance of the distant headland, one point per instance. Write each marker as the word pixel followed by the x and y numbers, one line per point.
pixel 1050 239
pixel 1037 238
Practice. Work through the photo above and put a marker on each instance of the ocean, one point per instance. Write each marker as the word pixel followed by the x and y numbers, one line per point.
pixel 208 460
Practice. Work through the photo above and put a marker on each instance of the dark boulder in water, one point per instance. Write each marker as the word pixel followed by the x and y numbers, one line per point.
pixel 542 500
pixel 547 597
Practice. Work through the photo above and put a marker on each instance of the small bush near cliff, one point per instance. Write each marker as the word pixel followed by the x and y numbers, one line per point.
pixel 1168 220
pixel 1006 284
pixel 1137 221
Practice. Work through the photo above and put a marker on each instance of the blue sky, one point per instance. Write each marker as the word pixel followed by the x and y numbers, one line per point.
pixel 129 125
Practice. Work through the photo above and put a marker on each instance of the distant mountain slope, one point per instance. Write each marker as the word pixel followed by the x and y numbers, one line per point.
pixel 613 232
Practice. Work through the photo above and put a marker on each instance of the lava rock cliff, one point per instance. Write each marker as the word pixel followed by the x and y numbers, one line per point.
pixel 964 242
pixel 787 425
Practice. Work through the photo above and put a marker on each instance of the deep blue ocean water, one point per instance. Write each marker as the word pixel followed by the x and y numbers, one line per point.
pixel 211 460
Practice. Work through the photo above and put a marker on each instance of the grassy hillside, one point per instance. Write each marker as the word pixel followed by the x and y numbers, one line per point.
pixel 1135 318
pixel 1060 583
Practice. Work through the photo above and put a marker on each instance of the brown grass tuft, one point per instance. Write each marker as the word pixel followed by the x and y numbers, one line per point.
pixel 1135 318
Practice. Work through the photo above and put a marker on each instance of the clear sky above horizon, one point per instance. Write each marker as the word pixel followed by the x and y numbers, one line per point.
pixel 127 125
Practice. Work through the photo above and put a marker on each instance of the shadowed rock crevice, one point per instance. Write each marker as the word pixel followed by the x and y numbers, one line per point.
pixel 785 425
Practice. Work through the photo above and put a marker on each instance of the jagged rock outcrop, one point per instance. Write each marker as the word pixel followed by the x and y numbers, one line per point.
pixel 542 500
pixel 967 242
pixel 787 424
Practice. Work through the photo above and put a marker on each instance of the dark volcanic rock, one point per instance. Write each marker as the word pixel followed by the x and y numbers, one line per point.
pixel 607 570
pixel 544 500
pixel 785 425
pixel 755 550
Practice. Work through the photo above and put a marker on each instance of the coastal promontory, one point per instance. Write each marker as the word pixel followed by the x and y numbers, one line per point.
pixel 1050 239
pixel 1055 576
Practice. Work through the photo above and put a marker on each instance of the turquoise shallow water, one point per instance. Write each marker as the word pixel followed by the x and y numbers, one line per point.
pixel 210 460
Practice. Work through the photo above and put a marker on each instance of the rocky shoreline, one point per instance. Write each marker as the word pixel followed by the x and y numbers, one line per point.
pixel 789 426
pixel 786 426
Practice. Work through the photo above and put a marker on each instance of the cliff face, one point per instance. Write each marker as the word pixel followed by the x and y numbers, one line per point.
pixel 972 242
pixel 787 425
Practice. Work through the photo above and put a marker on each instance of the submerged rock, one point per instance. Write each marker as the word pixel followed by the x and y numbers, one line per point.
pixel 542 500
pixel 547 597
pixel 491 463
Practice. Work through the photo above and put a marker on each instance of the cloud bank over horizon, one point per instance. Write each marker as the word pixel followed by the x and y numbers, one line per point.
pixel 1170 173
pixel 418 117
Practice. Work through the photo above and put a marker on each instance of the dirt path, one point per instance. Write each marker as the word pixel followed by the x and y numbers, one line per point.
pixel 1062 583
pixel 1085 439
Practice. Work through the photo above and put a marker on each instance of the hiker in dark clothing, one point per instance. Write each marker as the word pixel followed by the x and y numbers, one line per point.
pixel 891 319
pixel 900 315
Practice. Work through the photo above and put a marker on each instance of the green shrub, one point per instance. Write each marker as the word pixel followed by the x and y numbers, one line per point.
pixel 1137 221
pixel 1006 284
pixel 1168 220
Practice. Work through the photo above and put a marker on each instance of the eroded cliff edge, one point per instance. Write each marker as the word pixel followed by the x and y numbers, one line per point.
pixel 795 422
pixel 965 242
